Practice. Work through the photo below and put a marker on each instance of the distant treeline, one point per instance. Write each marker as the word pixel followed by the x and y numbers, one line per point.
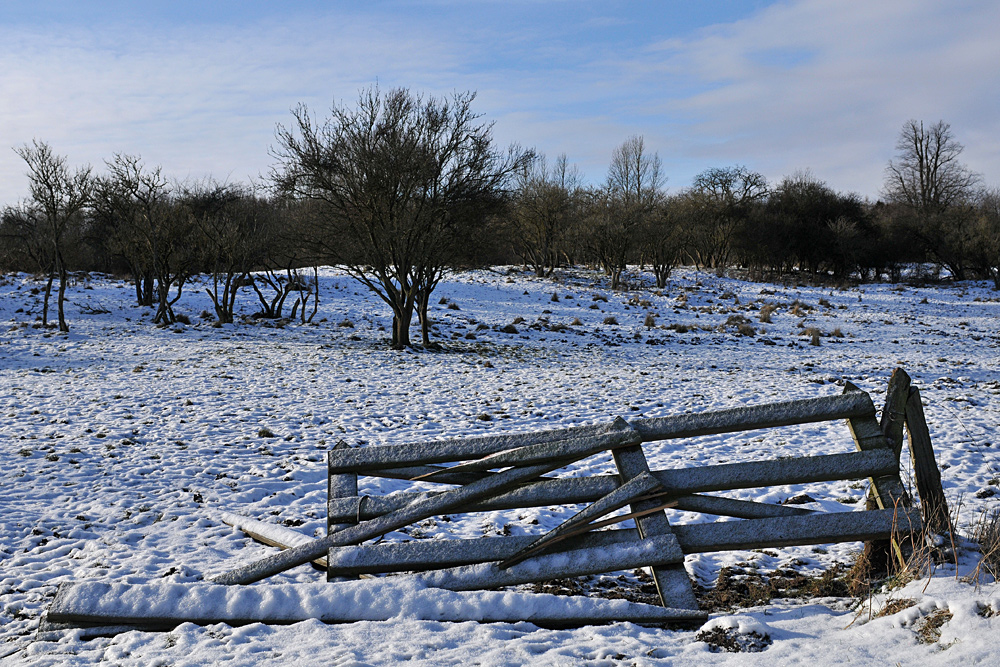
pixel 401 189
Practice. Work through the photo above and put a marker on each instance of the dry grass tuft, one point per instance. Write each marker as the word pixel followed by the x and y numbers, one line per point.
pixel 650 321
pixel 986 533
pixel 611 320
pixel 766 311
pixel 929 629
pixel 895 606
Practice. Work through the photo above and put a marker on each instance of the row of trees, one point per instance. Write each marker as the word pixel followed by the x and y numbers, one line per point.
pixel 400 189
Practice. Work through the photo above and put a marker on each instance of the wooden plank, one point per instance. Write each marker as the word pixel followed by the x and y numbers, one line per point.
pixel 540 453
pixel 437 474
pixel 423 508
pixel 741 509
pixel 270 534
pixel 933 505
pixel 888 491
pixel 684 482
pixel 810 410
pixel 884 492
pixel 640 485
pixel 135 606
pixel 672 582
pixel 652 551
pixel 816 528
pixel 894 412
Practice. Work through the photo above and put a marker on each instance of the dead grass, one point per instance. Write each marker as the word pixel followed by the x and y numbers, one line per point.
pixel 895 606
pixel 766 311
pixel 986 533
pixel 737 587
pixel 929 627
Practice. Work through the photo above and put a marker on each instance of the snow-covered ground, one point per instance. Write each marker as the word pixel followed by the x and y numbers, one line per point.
pixel 121 444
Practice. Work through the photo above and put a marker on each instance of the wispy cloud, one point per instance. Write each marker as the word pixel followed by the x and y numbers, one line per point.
pixel 823 84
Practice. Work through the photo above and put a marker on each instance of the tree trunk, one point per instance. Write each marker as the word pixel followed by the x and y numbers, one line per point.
pixel 61 299
pixel 401 317
pixel 45 301
pixel 423 301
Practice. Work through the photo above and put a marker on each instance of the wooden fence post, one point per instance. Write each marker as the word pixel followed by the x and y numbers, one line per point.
pixel 933 506
pixel 672 582
pixel 342 485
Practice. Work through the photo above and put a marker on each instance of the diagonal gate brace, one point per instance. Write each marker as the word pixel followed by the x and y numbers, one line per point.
pixel 640 486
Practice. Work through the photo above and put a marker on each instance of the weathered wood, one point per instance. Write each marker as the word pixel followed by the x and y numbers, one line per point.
pixel 672 582
pixel 340 485
pixel 652 551
pixel 660 428
pixel 684 482
pixel 269 534
pixel 868 437
pixel 884 492
pixel 741 509
pixel 894 412
pixel 437 474
pixel 422 508
pixel 562 450
pixel 640 485
pixel 131 605
pixel 933 505
pixel 817 528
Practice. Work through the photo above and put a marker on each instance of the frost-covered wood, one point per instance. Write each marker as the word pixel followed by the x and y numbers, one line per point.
pixel 684 482
pixel 672 582
pixel 640 485
pixel 843 406
pixel 933 505
pixel 268 533
pixel 163 606
pixel 422 508
pixel 366 530
pixel 652 551
pixel 816 528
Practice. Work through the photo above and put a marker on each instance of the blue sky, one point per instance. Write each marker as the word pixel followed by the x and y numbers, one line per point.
pixel 198 87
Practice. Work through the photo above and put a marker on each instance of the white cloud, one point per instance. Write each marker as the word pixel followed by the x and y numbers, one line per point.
pixel 823 84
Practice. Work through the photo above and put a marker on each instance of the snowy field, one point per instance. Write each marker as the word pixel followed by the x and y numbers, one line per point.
pixel 121 444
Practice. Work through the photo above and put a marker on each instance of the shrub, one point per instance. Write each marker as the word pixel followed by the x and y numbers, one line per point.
pixel 266 433
pixel 611 320
pixel 453 306
pixel 650 321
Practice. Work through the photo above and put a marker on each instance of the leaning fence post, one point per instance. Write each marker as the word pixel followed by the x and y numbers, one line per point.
pixel 885 493
pixel 672 582
pixel 894 412
pixel 933 506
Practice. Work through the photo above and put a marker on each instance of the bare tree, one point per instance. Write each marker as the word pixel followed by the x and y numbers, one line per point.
pixel 57 199
pixel 234 228
pixel 986 235
pixel 545 204
pixel 617 213
pixel 720 200
pixel 928 180
pixel 398 176
pixel 926 173
pixel 132 203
